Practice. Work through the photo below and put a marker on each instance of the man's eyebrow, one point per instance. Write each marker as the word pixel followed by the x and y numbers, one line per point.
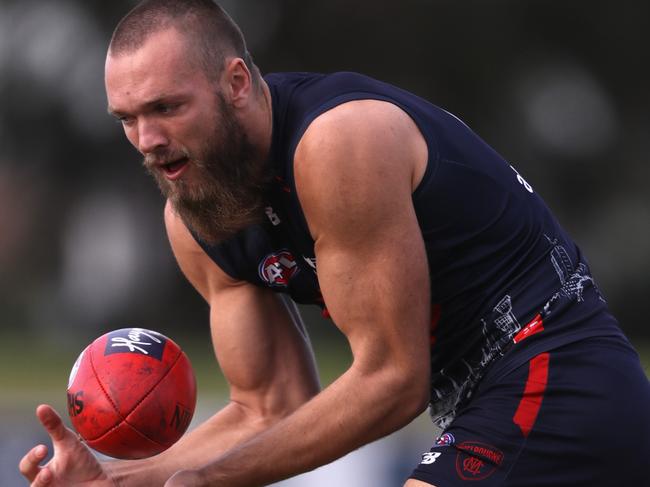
pixel 112 112
pixel 163 98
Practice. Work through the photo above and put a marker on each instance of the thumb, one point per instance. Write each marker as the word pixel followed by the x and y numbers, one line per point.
pixel 52 423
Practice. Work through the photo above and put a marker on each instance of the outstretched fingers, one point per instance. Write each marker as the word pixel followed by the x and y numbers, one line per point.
pixel 52 422
pixel 43 479
pixel 29 464
pixel 72 463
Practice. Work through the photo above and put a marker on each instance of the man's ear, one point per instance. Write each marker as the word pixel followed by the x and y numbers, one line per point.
pixel 238 81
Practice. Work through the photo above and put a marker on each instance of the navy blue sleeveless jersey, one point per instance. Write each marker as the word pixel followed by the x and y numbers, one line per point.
pixel 504 274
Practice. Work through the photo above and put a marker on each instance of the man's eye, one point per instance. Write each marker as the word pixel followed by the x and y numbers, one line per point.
pixel 165 109
pixel 126 121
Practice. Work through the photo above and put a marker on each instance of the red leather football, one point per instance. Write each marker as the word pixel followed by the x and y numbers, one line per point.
pixel 131 393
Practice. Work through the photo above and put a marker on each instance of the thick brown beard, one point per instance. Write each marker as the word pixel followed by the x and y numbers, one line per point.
pixel 229 183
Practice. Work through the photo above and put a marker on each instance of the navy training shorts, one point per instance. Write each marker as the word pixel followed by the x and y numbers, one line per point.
pixel 575 416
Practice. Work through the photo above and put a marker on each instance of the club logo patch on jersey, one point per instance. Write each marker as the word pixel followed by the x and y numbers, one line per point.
pixel 278 269
pixel 477 461
pixel 446 439
pixel 136 340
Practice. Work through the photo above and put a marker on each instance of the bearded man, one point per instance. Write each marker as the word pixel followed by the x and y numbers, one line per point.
pixel 455 286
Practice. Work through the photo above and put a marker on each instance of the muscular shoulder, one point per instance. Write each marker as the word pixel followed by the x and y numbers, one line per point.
pixel 357 157
pixel 361 127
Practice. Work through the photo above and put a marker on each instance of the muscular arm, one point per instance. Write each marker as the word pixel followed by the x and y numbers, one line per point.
pixel 356 168
pixel 263 352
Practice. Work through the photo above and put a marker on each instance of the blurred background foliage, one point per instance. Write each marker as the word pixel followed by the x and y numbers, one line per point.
pixel 559 88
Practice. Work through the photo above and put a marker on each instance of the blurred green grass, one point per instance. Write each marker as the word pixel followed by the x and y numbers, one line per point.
pixel 36 369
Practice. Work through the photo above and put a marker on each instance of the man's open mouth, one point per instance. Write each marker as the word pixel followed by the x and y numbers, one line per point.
pixel 174 169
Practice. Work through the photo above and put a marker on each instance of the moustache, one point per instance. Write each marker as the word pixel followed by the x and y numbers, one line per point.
pixel 164 156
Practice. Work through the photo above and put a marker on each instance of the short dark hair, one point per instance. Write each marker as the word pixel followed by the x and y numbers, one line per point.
pixel 207 27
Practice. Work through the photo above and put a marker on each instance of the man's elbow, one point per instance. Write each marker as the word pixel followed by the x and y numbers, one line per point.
pixel 269 406
pixel 410 394
pixel 282 403
pixel 292 399
pixel 417 390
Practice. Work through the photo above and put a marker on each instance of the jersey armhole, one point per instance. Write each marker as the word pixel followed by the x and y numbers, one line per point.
pixel 216 254
pixel 432 145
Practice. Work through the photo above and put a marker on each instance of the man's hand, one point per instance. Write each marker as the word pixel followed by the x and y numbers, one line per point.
pixel 72 465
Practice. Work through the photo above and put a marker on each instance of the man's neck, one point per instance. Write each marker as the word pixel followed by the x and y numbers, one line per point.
pixel 257 121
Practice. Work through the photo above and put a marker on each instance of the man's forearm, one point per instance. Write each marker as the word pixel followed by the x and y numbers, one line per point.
pixel 229 427
pixel 353 411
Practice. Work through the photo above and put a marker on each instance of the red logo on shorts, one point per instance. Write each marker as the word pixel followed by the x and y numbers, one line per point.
pixel 477 461
pixel 277 269
pixel 473 466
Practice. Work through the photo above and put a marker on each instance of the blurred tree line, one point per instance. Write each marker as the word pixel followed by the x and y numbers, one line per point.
pixel 558 88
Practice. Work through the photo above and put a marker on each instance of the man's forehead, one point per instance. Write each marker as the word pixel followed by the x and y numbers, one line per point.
pixel 160 67
pixel 165 49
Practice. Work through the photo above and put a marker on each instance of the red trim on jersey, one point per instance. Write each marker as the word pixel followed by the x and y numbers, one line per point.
pixel 324 311
pixel 536 325
pixel 284 185
pixel 531 400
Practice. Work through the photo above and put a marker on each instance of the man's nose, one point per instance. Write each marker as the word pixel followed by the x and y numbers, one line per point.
pixel 150 137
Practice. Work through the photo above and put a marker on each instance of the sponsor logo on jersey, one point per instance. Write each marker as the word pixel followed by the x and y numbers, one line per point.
pixel 278 269
pixel 430 457
pixel 136 340
pixel 477 461
pixel 446 439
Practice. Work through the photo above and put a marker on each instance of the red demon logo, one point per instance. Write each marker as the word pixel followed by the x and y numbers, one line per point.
pixel 477 461
pixel 277 269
